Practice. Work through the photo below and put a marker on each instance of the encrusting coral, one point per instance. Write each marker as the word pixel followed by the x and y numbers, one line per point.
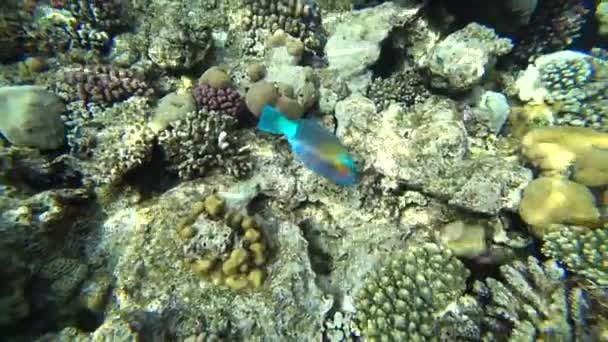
pixel 570 152
pixel 400 300
pixel 227 247
pixel 461 60
pixel 549 201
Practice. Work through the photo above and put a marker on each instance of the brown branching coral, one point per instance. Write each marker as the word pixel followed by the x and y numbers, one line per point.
pixel 203 140
pixel 101 84
pixel 300 19
pixel 11 37
pixel 554 26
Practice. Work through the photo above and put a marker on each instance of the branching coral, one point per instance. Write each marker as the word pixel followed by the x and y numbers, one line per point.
pixel 215 92
pixel 202 140
pixel 572 85
pixel 400 299
pixel 405 87
pixel 11 36
pixel 553 26
pixel 298 18
pixel 88 24
pixel 110 141
pixel 105 14
pixel 532 302
pixel 101 84
pixel 583 251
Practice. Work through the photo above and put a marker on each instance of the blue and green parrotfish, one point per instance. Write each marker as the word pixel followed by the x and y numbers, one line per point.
pixel 317 148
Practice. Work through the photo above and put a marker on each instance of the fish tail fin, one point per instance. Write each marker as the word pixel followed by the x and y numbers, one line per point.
pixel 275 122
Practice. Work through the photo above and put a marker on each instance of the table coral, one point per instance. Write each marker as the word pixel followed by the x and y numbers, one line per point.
pixel 400 299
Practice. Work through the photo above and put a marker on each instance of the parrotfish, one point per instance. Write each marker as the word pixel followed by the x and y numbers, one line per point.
pixel 316 147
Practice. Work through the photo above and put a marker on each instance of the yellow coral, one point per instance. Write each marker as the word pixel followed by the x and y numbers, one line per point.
pixel 530 116
pixel 561 150
pixel 256 278
pixel 237 257
pixel 237 282
pixel 465 240
pixel 240 268
pixel 214 205
pixel 549 201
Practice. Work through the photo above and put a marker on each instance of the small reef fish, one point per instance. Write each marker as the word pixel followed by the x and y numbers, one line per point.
pixel 317 148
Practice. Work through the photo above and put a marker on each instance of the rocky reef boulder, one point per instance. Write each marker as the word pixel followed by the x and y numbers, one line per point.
pixel 30 116
pixel 427 149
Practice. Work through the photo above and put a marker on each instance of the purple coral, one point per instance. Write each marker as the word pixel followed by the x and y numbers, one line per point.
pixel 101 84
pixel 226 100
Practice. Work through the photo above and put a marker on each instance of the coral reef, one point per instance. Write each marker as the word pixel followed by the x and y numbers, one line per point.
pixel 432 155
pixel 571 152
pixel 30 116
pixel 405 87
pixel 171 108
pixel 149 206
pixel 179 42
pixel 77 26
pixel 300 19
pixel 583 251
pixel 215 92
pixel 101 84
pixel 41 208
pixel 352 47
pixel 534 300
pixel 202 140
pixel 11 35
pixel 110 141
pixel 230 252
pixel 401 299
pixel 460 61
pixel 547 202
pixel 601 15
pixel 553 26
pixel 571 85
